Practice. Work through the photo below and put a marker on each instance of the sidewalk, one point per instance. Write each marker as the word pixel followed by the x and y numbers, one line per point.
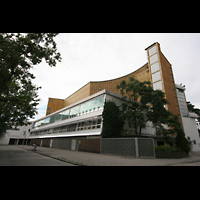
pixel 95 159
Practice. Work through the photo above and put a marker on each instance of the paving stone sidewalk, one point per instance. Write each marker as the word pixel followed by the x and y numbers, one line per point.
pixel 95 159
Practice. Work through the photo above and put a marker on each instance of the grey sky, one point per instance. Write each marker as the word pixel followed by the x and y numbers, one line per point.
pixel 103 56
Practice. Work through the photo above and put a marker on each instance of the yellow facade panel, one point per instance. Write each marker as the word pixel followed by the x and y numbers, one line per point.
pixel 54 105
pixel 78 95
pixel 140 74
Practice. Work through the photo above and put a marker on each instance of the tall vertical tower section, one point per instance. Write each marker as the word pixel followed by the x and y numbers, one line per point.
pixel 162 78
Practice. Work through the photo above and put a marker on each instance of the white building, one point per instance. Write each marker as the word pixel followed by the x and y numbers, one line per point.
pixel 188 120
pixel 19 136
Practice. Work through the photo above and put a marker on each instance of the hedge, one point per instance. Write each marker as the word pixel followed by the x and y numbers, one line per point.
pixel 167 148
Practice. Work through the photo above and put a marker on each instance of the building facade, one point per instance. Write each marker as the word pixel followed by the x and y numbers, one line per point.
pixel 20 135
pixel 188 120
pixel 157 70
pixel 80 114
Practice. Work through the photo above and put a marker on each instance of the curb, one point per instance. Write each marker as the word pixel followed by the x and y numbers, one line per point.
pixel 60 159
pixel 63 160
pixel 81 164
pixel 185 162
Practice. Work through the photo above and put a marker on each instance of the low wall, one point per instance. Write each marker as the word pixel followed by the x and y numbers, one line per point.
pixel 146 147
pixel 36 141
pixel 118 146
pixel 60 143
pixel 139 147
pixel 46 142
pixel 63 143
pixel 90 145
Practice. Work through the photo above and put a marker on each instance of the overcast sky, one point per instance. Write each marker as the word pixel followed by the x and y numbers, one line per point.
pixel 102 56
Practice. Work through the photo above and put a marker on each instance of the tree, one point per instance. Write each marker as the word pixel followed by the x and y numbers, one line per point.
pixel 136 99
pixel 18 54
pixel 112 121
pixel 181 141
pixel 142 103
pixel 192 108
pixel 158 114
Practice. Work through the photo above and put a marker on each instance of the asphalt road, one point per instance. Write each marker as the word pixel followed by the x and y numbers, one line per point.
pixel 12 155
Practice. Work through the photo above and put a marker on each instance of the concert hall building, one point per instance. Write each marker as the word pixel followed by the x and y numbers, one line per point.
pixel 80 114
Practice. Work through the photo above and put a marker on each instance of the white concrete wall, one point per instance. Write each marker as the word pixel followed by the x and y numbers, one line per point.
pixel 191 131
pixel 16 134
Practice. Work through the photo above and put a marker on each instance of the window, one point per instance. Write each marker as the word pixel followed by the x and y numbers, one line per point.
pixel 74 111
pixel 90 123
pixel 84 108
pixel 65 114
pixel 52 118
pixel 58 117
pixel 46 121
pixel 155 67
pixel 152 50
pixel 92 105
pixel 153 58
pixel 56 130
pixel 182 103
pixel 63 129
pixel 71 127
pixel 157 85
pixel 156 76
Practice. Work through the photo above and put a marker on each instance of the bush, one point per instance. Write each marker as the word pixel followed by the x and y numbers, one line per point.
pixel 181 141
pixel 167 148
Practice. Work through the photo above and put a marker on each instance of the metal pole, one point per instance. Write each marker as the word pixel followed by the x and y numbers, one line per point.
pixel 136 148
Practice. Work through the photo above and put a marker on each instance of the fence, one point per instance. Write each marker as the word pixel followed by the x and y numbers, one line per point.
pixel 138 147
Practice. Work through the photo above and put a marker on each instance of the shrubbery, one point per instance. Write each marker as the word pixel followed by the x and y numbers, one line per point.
pixel 167 148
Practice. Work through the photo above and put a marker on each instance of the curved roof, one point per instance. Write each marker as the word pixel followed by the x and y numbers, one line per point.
pixel 121 76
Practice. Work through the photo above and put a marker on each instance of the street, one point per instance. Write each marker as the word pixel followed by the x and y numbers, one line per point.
pixel 12 155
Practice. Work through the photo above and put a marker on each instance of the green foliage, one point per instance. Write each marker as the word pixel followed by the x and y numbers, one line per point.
pixel 18 54
pixel 142 103
pixel 181 141
pixel 112 121
pixel 134 110
pixel 192 108
pixel 167 148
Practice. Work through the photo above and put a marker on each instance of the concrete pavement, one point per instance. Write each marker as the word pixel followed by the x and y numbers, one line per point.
pixel 12 155
pixel 95 159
